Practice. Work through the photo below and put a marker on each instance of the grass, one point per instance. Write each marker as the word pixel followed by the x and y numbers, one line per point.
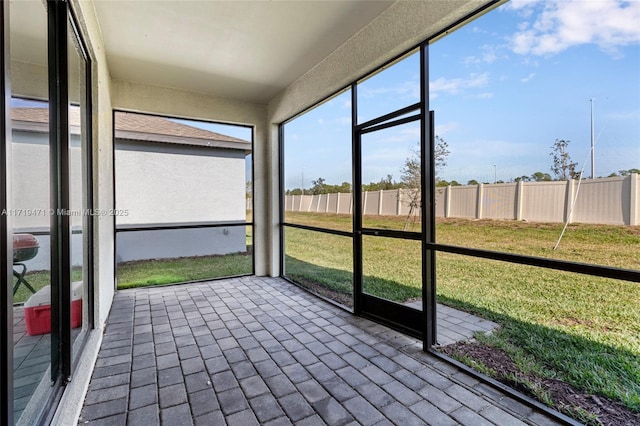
pixel 159 271
pixel 37 280
pixel 581 329
pixel 162 271
pixel 183 269
pixel 169 271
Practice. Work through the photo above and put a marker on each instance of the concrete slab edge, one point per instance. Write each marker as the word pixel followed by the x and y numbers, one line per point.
pixel 68 412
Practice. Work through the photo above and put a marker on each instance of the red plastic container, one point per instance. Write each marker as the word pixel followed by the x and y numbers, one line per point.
pixel 37 310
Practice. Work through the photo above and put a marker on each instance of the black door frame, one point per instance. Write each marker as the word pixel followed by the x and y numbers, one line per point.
pixel 410 321
pixel 401 317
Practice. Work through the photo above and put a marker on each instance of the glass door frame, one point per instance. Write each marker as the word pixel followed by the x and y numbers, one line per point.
pixel 60 20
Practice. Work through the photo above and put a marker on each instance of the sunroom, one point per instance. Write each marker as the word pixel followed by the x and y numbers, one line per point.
pixel 311 212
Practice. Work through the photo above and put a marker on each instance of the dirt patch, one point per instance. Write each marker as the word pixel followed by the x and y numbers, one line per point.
pixel 345 299
pixel 602 410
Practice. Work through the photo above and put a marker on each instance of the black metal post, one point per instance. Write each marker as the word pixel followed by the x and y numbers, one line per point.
pixel 356 191
pixel 428 202
pixel 59 171
pixel 281 144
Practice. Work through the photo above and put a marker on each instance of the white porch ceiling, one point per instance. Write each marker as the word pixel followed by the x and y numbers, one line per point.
pixel 243 50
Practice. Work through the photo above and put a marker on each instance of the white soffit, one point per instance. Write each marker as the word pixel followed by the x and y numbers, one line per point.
pixel 244 50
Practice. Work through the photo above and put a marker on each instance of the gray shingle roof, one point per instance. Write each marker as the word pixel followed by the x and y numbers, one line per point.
pixel 137 127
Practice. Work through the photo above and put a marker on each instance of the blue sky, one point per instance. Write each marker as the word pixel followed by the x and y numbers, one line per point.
pixel 504 88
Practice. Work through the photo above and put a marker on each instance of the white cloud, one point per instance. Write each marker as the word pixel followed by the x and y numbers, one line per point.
pixel 387 156
pixel 443 129
pixel 632 115
pixel 527 78
pixel 408 89
pixel 345 120
pixel 454 86
pixel 561 24
pixel 489 55
pixel 408 134
pixel 524 6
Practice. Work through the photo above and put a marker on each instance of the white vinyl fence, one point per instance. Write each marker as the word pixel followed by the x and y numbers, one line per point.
pixel 612 201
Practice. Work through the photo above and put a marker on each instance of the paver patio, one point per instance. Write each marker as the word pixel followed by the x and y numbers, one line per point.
pixel 256 350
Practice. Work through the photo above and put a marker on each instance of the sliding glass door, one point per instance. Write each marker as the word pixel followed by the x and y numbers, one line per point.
pixel 46 202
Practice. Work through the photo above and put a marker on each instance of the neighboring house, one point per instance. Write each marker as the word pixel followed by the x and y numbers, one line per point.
pixel 167 174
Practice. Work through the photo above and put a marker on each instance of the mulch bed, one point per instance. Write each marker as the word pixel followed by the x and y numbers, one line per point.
pixel 564 396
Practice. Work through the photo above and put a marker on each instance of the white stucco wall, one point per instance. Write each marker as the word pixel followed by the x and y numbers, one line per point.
pixel 31 181
pixel 158 184
pixel 102 150
pixel 171 243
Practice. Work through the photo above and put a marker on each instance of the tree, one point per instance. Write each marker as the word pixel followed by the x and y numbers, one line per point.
pixel 628 172
pixel 541 177
pixel 344 187
pixel 472 182
pixel 411 174
pixel 384 184
pixel 319 186
pixel 562 167
pixel 440 154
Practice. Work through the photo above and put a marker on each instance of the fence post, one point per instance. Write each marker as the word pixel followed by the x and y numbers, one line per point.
pixel 380 195
pixel 570 194
pixel 351 203
pixel 364 202
pixel 519 198
pixel 399 203
pixel 326 206
pixel 338 203
pixel 633 200
pixel 447 201
pixel 479 203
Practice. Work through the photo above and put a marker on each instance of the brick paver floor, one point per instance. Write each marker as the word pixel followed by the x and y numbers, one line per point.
pixel 256 350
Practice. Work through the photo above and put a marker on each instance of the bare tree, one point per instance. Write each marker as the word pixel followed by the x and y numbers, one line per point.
pixel 411 174
pixel 563 167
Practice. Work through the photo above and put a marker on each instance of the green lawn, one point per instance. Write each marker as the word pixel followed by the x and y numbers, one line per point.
pixel 581 329
pixel 182 269
pixel 37 280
